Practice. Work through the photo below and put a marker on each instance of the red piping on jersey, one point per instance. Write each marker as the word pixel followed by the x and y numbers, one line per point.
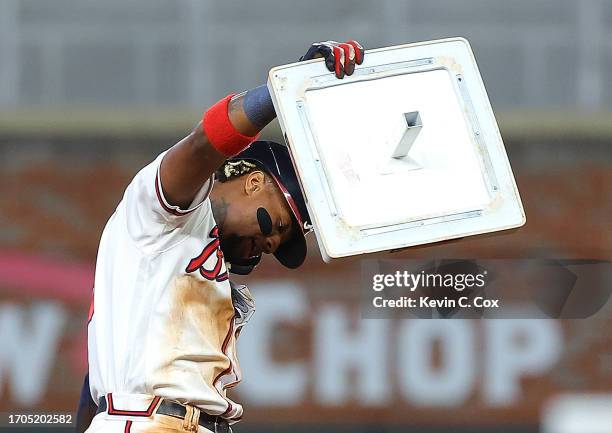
pixel 228 369
pixel 228 410
pixel 176 212
pixel 231 384
pixel 237 381
pixel 148 412
pixel 128 427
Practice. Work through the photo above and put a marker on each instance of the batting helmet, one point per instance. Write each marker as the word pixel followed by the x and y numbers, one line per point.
pixel 274 159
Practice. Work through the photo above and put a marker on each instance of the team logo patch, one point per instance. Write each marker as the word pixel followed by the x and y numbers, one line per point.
pixel 199 263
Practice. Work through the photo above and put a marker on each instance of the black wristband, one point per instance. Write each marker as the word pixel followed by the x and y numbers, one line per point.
pixel 258 106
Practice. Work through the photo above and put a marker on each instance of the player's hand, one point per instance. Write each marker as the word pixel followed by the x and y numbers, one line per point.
pixel 339 58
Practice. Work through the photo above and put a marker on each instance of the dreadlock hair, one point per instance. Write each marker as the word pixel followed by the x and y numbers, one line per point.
pixel 232 169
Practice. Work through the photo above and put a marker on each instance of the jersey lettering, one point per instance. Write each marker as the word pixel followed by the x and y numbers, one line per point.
pixel 197 263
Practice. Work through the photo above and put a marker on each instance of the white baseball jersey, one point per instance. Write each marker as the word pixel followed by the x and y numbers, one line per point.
pixel 162 320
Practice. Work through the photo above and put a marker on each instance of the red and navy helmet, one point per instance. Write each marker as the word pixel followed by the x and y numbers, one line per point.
pixel 275 160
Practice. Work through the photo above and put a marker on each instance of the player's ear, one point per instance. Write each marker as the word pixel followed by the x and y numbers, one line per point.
pixel 254 182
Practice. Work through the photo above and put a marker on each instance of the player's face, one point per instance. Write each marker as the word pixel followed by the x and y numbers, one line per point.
pixel 243 234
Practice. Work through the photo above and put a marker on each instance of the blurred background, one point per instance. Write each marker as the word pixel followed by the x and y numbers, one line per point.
pixel 92 91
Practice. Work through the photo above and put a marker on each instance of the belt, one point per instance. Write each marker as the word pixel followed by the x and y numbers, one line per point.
pixel 215 424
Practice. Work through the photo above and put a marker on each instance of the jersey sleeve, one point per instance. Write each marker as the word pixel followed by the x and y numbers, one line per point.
pixel 152 221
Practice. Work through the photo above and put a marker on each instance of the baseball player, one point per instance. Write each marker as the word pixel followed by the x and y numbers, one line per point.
pixel 165 318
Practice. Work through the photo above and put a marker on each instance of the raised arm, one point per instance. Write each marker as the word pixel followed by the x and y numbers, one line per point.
pixel 190 162
pixel 232 124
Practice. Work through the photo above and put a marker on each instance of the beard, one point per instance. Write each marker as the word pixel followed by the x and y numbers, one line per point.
pixel 235 248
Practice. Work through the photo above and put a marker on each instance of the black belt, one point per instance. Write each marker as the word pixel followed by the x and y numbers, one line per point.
pixel 215 424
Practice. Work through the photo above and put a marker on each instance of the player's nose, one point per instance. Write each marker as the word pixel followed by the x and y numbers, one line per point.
pixel 271 244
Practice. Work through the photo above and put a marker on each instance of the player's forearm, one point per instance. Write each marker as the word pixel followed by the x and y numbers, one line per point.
pixel 231 124
pixel 192 161
pixel 251 111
